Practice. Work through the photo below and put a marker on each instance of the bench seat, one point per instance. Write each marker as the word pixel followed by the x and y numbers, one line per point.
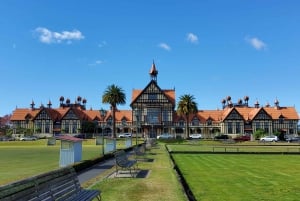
pixel 124 163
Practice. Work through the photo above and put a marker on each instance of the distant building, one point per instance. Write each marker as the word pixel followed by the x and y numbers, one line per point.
pixel 154 112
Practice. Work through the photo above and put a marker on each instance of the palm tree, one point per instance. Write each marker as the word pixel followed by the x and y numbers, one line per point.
pixel 187 106
pixel 114 96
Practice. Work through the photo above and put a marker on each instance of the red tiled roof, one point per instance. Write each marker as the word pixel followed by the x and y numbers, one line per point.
pixel 20 114
pixel 135 94
pixel 127 114
pixel 286 112
pixel 247 113
pixel 215 115
pixel 94 115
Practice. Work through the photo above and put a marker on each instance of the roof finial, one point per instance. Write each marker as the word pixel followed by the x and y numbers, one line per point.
pixel 153 72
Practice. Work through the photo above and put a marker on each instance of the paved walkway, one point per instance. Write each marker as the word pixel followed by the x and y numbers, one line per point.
pixel 103 166
pixel 95 170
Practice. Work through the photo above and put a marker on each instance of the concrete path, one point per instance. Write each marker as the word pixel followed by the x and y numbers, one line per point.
pixel 95 170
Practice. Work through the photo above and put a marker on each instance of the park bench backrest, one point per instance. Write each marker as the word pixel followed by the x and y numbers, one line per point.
pixel 121 158
pixel 55 185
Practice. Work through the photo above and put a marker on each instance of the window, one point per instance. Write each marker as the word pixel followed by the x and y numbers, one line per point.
pixel 153 115
pixel 67 126
pixel 291 124
pixel 124 122
pixel 152 96
pixel 109 121
pixel 257 125
pixel 238 128
pixel 166 115
pixel 281 119
pixel 74 128
pixel 229 127
pixel 181 123
pixel 195 122
pixel 266 127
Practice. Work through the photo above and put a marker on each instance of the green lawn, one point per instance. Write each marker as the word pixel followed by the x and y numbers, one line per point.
pixel 211 177
pixel 214 177
pixel 23 159
pixel 20 159
pixel 162 183
pixel 216 146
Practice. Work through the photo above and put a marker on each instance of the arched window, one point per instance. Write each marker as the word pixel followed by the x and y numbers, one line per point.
pixel 124 122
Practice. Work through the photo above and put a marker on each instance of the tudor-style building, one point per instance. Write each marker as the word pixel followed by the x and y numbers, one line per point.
pixel 153 108
pixel 154 112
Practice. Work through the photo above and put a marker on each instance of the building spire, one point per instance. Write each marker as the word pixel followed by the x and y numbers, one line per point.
pixel 153 72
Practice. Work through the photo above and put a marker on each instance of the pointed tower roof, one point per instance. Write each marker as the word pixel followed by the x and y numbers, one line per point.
pixel 153 72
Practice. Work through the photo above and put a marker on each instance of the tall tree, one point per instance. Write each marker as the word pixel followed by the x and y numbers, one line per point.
pixel 187 106
pixel 114 95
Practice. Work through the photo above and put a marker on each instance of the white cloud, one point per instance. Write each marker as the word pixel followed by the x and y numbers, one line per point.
pixel 164 46
pixel 256 43
pixel 97 62
pixel 47 36
pixel 192 38
pixel 102 44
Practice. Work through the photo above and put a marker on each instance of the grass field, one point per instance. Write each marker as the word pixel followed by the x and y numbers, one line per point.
pixel 20 159
pixel 23 159
pixel 219 146
pixel 211 177
pixel 161 184
pixel 214 177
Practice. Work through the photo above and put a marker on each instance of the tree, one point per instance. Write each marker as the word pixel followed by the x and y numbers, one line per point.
pixel 259 133
pixel 187 106
pixel 114 96
pixel 88 127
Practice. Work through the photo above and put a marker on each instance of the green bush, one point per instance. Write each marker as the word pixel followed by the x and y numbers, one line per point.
pixel 259 133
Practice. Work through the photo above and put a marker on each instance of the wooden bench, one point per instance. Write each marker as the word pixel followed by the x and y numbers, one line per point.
pixel 123 162
pixel 58 185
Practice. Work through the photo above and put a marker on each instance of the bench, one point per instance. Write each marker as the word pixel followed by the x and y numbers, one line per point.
pixel 150 142
pixel 123 162
pixel 58 185
pixel 140 150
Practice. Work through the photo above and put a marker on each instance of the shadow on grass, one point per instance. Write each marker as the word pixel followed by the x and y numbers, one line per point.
pixel 141 174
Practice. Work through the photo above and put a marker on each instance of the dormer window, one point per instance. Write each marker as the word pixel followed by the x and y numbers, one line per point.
pixel 209 122
pixel 124 122
pixel 195 122
pixel 281 119
pixel 27 120
pixel 109 121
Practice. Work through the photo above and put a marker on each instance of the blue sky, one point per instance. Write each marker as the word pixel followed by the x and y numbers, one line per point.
pixel 210 49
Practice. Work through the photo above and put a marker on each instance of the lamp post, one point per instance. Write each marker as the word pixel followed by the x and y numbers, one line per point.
pixel 103 114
